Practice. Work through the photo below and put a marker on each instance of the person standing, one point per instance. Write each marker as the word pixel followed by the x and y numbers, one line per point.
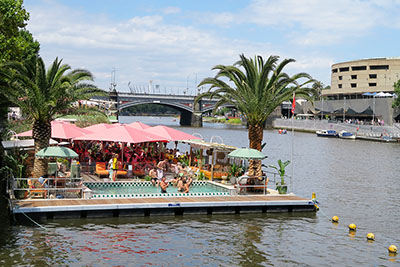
pixel 115 167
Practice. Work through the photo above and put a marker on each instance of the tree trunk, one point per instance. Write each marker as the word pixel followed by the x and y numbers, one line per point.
pixel 256 133
pixel 41 133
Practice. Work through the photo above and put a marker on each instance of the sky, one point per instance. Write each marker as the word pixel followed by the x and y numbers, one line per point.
pixel 169 46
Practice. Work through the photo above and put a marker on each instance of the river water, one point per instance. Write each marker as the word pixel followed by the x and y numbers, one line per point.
pixel 355 180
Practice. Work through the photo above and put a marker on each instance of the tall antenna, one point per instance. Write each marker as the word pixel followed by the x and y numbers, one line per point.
pixel 113 84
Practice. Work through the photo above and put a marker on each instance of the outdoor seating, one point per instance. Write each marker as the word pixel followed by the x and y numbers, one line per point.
pixel 34 190
pixel 101 169
pixel 121 171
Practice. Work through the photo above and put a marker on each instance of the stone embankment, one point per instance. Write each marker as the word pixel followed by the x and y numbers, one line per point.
pixel 361 130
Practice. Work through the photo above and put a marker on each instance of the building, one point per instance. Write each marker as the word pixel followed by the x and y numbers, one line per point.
pixel 354 78
pixel 347 98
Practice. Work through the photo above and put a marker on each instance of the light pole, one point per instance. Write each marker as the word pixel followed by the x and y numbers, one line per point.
pixel 373 109
pixel 344 109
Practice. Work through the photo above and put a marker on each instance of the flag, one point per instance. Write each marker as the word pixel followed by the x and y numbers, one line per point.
pixel 293 103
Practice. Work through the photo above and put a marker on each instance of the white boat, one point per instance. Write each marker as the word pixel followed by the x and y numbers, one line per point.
pixel 346 135
pixel 326 133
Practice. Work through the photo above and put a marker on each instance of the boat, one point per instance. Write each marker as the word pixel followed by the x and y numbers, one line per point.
pixel 346 135
pixel 327 133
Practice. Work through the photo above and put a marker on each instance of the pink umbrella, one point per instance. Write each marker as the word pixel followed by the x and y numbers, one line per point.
pixel 170 134
pixel 139 125
pixel 123 133
pixel 62 130
pixel 100 127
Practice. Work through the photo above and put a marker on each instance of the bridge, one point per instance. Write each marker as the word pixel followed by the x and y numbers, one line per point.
pixel 191 115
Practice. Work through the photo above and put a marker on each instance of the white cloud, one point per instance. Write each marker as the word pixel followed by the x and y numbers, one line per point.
pixel 171 10
pixel 141 48
pixel 315 22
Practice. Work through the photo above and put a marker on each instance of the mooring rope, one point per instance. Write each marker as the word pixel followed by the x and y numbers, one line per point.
pixel 34 221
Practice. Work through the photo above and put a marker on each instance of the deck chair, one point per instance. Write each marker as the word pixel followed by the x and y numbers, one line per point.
pixel 34 191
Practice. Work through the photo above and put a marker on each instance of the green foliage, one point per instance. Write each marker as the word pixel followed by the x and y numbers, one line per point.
pixel 234 121
pixel 14 164
pixel 396 101
pixel 87 120
pixel 147 178
pixel 42 94
pixel 16 43
pixel 184 160
pixel 235 170
pixel 200 176
pixel 258 86
pixel 281 169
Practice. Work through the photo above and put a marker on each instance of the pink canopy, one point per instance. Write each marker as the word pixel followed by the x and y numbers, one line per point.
pixel 170 134
pixel 62 130
pixel 123 133
pixel 139 125
pixel 100 127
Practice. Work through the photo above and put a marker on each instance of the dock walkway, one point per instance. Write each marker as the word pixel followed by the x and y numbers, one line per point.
pixel 61 208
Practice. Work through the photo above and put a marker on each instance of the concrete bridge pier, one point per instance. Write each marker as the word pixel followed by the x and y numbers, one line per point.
pixel 197 119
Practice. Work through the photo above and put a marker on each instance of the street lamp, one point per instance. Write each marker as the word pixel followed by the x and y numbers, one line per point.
pixel 373 109
pixel 344 109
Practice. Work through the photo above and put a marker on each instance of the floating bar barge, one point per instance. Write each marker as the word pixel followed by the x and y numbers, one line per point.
pixel 86 208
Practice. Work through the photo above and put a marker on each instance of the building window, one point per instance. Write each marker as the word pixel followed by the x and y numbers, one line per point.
pixel 334 70
pixel 373 76
pixel 353 85
pixel 379 67
pixel 372 84
pixel 353 77
pixel 344 69
pixel 339 85
pixel 340 77
pixel 359 68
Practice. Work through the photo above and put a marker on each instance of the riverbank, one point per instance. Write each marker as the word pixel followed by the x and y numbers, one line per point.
pixel 367 132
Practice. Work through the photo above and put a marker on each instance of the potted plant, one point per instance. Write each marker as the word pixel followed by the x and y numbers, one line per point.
pixel 282 186
pixel 234 172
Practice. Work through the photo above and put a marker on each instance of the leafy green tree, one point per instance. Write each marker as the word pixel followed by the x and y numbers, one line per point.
pixel 396 87
pixel 16 43
pixel 255 87
pixel 42 95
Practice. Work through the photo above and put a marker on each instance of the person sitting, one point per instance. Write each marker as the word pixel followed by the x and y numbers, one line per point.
pixel 154 175
pixel 189 181
pixel 43 181
pixel 164 185
pixel 181 184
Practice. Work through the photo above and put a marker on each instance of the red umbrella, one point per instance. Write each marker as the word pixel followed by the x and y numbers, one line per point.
pixel 123 133
pixel 62 130
pixel 170 134
pixel 100 127
pixel 139 125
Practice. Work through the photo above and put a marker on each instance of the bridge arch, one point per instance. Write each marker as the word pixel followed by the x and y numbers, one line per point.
pixel 178 106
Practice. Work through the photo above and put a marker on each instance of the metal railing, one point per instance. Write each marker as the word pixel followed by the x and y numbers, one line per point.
pixel 273 179
pixel 60 187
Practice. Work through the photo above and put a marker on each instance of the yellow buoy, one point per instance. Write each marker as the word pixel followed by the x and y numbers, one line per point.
pixel 370 236
pixel 352 227
pixel 313 195
pixel 335 219
pixel 392 249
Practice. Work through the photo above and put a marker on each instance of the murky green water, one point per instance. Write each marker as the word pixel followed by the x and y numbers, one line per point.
pixel 355 180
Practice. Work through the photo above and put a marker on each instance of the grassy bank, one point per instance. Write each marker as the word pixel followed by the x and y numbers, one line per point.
pixel 222 120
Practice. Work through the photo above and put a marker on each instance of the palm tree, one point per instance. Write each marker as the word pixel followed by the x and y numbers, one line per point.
pixel 42 95
pixel 256 92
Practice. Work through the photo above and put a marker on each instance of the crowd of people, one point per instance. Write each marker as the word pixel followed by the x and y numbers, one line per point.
pixel 181 176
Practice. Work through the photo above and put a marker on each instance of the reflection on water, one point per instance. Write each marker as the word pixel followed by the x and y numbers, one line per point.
pixel 355 180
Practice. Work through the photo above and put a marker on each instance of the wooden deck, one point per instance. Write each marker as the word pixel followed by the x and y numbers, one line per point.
pixel 60 208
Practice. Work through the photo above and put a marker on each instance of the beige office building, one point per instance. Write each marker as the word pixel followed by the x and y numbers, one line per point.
pixel 353 78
